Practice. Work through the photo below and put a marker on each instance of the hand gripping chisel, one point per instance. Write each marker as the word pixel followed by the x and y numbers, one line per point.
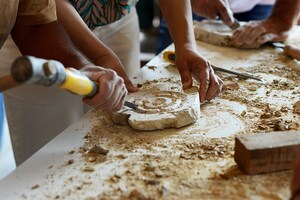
pixel 29 69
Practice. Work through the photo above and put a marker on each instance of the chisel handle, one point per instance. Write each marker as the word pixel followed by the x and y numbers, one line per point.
pixel 79 84
pixel 292 51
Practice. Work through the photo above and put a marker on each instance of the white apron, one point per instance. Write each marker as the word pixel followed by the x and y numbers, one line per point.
pixel 36 114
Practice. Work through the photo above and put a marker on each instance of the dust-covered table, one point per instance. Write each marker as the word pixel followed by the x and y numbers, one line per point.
pixel 97 159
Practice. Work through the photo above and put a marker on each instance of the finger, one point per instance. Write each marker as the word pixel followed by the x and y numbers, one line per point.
pixel 98 100
pixel 131 88
pixel 244 35
pixel 118 97
pixel 214 87
pixel 116 103
pixel 254 34
pixel 186 77
pixel 218 91
pixel 93 101
pixel 120 102
pixel 105 84
pixel 225 12
pixel 95 76
pixel 204 82
pixel 74 70
pixel 236 36
pixel 113 102
pixel 266 38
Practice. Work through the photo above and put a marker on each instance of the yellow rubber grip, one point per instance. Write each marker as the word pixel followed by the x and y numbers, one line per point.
pixel 169 56
pixel 78 84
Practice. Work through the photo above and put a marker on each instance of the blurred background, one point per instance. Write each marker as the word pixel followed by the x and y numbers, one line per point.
pixel 149 19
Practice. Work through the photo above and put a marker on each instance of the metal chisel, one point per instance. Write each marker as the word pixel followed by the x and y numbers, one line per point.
pixel 236 24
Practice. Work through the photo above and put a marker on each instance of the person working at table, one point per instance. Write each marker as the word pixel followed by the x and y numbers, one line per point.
pixel 34 28
pixel 226 10
pixel 189 63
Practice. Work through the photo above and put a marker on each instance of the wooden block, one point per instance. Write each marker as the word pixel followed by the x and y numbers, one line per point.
pixel 267 152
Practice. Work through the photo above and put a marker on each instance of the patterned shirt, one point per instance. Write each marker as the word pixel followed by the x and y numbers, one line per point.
pixel 101 12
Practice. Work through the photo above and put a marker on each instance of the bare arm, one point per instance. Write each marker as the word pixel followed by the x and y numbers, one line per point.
pixel 48 41
pixel 178 16
pixel 85 40
pixel 275 28
pixel 212 9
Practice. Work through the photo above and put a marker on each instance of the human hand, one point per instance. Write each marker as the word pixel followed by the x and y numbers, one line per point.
pixel 260 32
pixel 212 9
pixel 111 92
pixel 295 186
pixel 110 61
pixel 190 63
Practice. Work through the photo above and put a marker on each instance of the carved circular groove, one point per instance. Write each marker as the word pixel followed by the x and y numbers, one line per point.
pixel 159 109
pixel 160 101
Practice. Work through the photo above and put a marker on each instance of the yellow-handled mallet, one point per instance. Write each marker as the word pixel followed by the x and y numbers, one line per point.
pixel 29 69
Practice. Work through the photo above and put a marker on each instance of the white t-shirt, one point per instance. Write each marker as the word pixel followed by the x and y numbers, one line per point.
pixel 238 6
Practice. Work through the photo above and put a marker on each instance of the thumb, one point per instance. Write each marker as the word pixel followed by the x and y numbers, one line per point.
pixel 130 87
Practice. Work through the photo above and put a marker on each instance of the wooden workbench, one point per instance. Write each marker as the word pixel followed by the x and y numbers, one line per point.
pixel 194 162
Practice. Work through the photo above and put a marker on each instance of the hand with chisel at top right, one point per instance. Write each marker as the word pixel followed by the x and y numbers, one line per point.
pixel 274 29
pixel 213 9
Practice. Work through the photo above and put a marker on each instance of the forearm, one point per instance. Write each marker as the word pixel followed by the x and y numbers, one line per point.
pixel 48 41
pixel 286 12
pixel 80 34
pixel 178 16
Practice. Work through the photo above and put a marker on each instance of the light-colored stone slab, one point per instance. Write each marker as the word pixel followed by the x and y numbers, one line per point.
pixel 160 109
pixel 217 33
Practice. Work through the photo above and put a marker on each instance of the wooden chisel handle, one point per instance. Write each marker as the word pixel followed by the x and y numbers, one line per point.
pixel 7 82
pixel 292 51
